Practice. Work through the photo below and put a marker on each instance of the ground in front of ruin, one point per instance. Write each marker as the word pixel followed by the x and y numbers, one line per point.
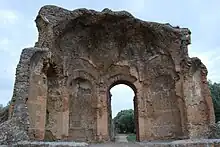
pixel 121 142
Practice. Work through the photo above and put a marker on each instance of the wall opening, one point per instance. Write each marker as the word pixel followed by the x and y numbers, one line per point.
pixel 52 104
pixel 122 111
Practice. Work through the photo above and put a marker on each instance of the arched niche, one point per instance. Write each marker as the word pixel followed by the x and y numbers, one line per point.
pixel 198 102
pixel 162 109
pixel 82 113
pixel 46 99
pixel 162 114
pixel 57 112
pixel 83 74
pixel 54 105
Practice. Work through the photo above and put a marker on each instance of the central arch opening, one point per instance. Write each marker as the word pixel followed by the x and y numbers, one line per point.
pixel 122 111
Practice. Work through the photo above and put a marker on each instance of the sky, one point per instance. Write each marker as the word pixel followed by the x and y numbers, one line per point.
pixel 18 30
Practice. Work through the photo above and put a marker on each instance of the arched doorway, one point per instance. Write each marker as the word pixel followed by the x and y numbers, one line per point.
pixel 127 93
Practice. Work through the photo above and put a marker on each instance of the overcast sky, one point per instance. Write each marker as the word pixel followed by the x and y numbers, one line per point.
pixel 202 17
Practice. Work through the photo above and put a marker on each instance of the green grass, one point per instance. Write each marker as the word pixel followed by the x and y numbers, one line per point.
pixel 131 138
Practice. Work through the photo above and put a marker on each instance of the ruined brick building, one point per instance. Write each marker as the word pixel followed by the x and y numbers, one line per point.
pixel 62 84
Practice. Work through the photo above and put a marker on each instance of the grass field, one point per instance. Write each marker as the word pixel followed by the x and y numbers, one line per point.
pixel 131 138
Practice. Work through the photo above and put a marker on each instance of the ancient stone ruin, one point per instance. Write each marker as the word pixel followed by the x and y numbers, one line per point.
pixel 62 84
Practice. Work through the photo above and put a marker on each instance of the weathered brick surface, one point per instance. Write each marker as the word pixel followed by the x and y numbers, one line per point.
pixel 62 93
pixel 16 128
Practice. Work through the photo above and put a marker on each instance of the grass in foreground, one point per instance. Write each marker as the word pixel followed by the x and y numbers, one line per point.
pixel 131 138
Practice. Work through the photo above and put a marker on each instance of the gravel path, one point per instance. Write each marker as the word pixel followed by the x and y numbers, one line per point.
pixel 121 138
pixel 115 144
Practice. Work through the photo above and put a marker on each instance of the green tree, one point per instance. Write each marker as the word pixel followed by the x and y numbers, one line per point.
pixel 124 121
pixel 215 93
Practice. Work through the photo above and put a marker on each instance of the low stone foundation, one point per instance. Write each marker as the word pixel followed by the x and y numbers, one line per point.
pixel 50 144
pixel 176 143
pixel 184 143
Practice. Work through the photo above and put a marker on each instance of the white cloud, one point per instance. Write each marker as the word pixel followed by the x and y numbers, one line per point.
pixel 8 17
pixel 211 59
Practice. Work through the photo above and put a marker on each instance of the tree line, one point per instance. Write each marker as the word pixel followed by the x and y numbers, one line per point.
pixel 215 93
pixel 124 122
